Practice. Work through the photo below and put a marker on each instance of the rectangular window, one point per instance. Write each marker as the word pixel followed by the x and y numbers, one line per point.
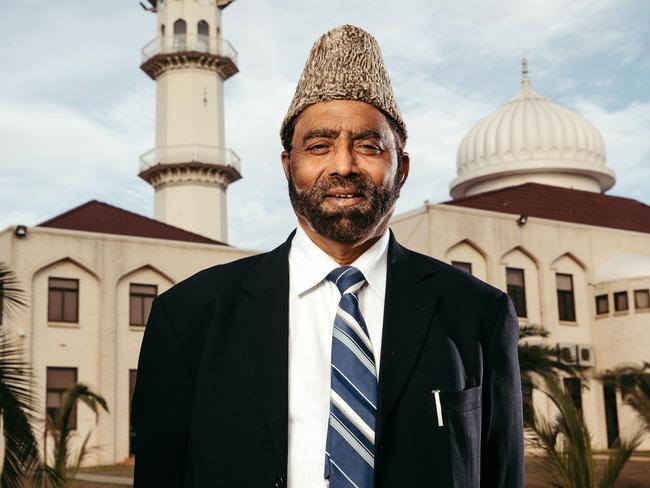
pixel 140 300
pixel 573 386
pixel 641 299
pixel 565 299
pixel 63 300
pixel 620 301
pixel 517 290
pixel 467 267
pixel 602 304
pixel 132 376
pixel 611 413
pixel 58 381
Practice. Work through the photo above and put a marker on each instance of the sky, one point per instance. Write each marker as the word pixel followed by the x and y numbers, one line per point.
pixel 76 112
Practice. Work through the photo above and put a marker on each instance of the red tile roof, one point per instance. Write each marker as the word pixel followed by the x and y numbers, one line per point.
pixel 564 204
pixel 95 216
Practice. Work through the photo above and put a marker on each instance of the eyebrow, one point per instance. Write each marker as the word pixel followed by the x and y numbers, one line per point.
pixel 368 134
pixel 327 133
pixel 333 134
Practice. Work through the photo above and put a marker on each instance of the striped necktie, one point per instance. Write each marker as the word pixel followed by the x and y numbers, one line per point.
pixel 350 449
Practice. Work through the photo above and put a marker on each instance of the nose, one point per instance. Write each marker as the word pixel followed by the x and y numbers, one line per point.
pixel 343 160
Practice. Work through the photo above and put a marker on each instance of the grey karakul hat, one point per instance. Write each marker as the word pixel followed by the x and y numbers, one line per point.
pixel 344 64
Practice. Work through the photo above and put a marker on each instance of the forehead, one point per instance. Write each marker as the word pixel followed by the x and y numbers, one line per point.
pixel 342 115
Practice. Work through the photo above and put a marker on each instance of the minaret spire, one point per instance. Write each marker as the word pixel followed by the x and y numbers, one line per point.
pixel 524 70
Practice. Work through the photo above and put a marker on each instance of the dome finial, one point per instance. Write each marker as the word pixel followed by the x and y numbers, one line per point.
pixel 524 70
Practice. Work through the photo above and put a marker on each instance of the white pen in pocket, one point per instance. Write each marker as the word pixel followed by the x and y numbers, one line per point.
pixel 436 400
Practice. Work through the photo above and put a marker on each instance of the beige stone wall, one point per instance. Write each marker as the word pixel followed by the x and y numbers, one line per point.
pixel 493 241
pixel 102 345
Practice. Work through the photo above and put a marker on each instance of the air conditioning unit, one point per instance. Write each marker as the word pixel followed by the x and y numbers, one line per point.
pixel 586 355
pixel 567 352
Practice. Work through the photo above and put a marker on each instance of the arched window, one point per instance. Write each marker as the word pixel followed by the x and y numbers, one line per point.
pixel 180 35
pixel 203 30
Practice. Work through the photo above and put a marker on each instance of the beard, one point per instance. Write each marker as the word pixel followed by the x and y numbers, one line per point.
pixel 347 224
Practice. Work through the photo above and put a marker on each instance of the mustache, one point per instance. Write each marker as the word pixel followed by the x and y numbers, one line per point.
pixel 354 182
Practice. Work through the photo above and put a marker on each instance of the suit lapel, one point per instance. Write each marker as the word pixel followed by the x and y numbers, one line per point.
pixel 411 297
pixel 262 315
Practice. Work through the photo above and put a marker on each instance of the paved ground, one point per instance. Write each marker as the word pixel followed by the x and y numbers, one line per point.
pixel 635 475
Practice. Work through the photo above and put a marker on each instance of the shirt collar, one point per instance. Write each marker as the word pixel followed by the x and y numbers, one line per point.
pixel 309 264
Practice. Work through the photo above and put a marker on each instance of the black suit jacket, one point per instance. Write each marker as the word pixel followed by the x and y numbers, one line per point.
pixel 211 397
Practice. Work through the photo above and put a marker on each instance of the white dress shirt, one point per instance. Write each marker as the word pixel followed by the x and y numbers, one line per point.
pixel 312 308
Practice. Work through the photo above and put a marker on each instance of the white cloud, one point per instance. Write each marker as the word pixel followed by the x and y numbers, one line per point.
pixel 625 132
pixel 55 158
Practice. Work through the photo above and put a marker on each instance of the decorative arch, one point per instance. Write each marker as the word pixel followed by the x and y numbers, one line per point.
pixel 570 285
pixel 523 251
pixel 467 251
pixel 203 38
pixel 470 243
pixel 62 260
pixel 88 298
pixel 144 267
pixel 572 257
pixel 519 273
pixel 180 27
pixel 180 35
pixel 135 291
pixel 203 28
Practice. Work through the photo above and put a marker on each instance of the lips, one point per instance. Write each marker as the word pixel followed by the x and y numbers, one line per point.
pixel 344 193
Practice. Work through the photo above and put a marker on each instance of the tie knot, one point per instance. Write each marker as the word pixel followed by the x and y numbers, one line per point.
pixel 347 279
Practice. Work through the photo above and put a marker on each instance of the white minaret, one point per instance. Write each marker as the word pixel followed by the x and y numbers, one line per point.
pixel 190 167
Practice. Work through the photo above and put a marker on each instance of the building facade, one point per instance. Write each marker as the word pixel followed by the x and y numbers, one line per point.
pixel 530 216
pixel 90 276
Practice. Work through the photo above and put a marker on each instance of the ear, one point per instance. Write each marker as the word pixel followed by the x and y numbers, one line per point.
pixel 406 166
pixel 286 160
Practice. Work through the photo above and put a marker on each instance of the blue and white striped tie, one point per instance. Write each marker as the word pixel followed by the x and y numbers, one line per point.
pixel 350 449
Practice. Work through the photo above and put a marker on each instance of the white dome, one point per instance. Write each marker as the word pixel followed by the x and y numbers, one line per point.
pixel 623 267
pixel 531 139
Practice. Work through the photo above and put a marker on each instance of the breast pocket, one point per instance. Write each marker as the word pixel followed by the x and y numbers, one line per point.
pixel 455 416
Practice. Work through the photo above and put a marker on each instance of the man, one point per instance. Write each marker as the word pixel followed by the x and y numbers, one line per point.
pixel 340 358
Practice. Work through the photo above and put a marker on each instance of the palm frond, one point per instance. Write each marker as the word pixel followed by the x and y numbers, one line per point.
pixel 532 330
pixel 539 360
pixel 567 460
pixel 622 451
pixel 551 460
pixel 19 412
pixel 634 383
pixel 65 464
pixel 11 294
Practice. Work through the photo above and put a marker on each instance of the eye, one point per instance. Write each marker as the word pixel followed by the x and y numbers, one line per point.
pixel 368 148
pixel 318 148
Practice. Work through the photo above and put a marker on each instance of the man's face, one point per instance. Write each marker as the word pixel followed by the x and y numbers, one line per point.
pixel 343 170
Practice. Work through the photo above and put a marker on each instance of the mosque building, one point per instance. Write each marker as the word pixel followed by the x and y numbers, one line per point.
pixel 529 214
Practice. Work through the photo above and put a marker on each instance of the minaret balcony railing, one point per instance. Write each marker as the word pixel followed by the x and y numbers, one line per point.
pixel 191 153
pixel 189 43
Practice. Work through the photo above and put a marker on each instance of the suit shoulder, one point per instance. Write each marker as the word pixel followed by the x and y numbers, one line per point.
pixel 215 280
pixel 464 299
pixel 455 279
